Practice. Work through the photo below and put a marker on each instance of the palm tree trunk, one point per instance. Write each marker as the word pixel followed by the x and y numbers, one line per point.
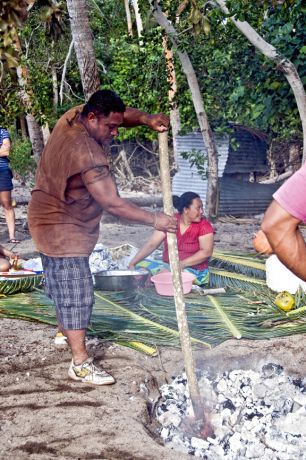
pixel 284 65
pixel 35 132
pixel 83 45
pixel 35 135
pixel 212 187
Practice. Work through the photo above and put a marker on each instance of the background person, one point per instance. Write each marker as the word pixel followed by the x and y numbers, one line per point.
pixel 6 259
pixel 73 187
pixel 195 241
pixel 281 223
pixel 6 184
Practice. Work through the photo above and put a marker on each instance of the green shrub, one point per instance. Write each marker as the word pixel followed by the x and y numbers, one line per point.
pixel 21 159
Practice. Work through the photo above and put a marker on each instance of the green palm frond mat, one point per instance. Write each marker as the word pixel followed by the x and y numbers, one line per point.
pixel 245 264
pixel 144 316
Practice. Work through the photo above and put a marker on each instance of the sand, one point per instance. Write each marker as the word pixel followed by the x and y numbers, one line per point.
pixel 44 415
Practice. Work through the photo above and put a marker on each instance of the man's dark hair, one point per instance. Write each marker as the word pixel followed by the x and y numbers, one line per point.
pixel 103 102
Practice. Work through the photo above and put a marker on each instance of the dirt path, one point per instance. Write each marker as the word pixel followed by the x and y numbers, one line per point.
pixel 44 415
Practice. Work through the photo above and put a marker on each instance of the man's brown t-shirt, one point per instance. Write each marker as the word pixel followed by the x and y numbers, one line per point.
pixel 63 217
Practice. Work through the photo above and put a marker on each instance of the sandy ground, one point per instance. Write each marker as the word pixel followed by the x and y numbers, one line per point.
pixel 44 415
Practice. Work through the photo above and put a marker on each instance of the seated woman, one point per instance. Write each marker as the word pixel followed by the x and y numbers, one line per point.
pixel 5 257
pixel 195 241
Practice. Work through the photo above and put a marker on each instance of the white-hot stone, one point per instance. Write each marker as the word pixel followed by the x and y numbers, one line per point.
pixel 253 414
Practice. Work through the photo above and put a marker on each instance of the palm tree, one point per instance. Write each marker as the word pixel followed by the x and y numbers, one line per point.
pixel 83 45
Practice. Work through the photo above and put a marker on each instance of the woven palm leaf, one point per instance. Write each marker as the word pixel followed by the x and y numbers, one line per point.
pixel 246 264
pixel 11 286
pixel 147 318
pixel 225 278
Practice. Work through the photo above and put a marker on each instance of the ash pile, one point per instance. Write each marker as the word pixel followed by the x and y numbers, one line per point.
pixel 252 415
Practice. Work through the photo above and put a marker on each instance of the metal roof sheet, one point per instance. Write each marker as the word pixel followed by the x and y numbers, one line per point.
pixel 187 178
pixel 237 197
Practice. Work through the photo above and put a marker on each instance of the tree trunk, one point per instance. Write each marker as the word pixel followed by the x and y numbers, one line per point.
pixel 61 93
pixel 138 18
pixel 284 65
pixel 35 132
pixel 212 187
pixel 276 179
pixel 83 45
pixel 128 18
pixel 36 137
pixel 23 127
pixel 294 157
pixel 45 132
pixel 175 120
pixel 55 88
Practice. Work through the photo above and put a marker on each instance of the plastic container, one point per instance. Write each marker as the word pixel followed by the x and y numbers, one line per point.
pixel 163 283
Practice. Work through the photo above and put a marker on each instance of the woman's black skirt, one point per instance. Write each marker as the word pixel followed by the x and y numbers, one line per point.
pixel 6 183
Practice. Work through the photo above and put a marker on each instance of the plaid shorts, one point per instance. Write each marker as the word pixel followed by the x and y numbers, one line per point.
pixel 69 284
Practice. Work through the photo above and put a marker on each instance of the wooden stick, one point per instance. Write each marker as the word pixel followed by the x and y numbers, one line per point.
pixel 177 282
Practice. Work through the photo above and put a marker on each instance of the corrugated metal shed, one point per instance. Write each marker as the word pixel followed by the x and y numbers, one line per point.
pixel 187 178
pixel 250 154
pixel 237 197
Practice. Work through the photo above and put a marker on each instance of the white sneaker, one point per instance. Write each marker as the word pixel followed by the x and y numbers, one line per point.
pixel 87 372
pixel 60 341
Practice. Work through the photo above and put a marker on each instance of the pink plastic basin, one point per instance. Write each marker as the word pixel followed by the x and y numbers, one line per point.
pixel 163 283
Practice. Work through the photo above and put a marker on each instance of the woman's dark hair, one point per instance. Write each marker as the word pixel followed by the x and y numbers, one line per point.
pixel 103 102
pixel 184 201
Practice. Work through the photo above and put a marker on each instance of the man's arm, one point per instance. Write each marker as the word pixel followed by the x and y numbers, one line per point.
pixel 102 187
pixel 134 117
pixel 5 148
pixel 287 242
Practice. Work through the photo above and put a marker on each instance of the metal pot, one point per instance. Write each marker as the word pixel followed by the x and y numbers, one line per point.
pixel 120 280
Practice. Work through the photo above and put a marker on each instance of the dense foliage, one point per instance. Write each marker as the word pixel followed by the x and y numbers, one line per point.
pixel 238 84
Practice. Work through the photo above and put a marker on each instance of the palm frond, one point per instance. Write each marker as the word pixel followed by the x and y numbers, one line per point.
pixel 250 265
pixel 224 278
pixel 142 318
pixel 11 286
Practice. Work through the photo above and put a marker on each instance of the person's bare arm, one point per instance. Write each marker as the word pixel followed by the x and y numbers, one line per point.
pixel 205 251
pixel 153 243
pixel 5 148
pixel 282 231
pixel 7 253
pixel 134 117
pixel 102 187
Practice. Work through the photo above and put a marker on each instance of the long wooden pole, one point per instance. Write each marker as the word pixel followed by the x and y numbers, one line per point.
pixel 177 281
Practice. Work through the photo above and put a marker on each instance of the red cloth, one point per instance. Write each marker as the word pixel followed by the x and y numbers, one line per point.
pixel 188 242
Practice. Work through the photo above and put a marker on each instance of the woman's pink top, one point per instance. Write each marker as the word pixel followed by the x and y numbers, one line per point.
pixel 188 242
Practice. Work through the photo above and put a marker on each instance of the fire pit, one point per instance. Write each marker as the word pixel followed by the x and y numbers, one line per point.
pixel 253 415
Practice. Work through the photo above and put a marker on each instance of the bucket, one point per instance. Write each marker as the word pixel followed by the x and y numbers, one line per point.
pixel 163 283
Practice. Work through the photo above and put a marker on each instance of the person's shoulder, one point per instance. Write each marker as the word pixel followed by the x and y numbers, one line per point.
pixel 4 133
pixel 206 226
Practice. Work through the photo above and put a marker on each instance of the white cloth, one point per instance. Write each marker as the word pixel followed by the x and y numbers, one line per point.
pixel 279 278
